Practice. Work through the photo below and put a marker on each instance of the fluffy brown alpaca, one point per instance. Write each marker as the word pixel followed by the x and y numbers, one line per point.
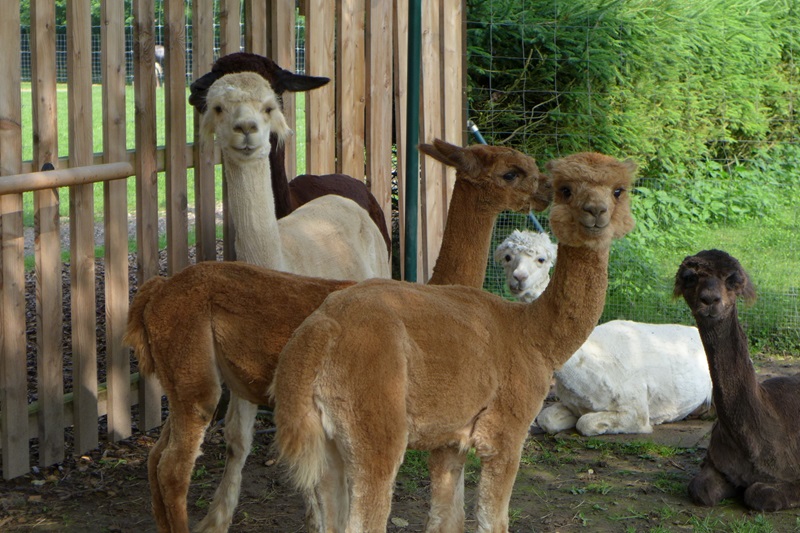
pixel 755 442
pixel 384 366
pixel 227 322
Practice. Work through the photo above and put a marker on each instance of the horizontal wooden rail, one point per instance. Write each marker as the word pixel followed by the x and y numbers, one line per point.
pixel 50 179
pixel 102 406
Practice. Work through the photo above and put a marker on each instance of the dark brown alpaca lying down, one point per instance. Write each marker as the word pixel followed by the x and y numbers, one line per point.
pixel 755 442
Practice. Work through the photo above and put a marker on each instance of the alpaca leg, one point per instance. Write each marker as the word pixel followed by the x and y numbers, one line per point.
pixel 176 462
pixel 602 422
pixel 371 495
pixel 498 473
pixel 328 507
pixel 446 466
pixel 772 496
pixel 153 458
pixel 239 422
pixel 709 487
pixel 556 418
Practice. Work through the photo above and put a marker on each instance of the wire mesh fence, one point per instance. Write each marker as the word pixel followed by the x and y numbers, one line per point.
pixel 703 98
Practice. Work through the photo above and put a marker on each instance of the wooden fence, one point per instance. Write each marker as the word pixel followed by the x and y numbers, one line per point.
pixel 359 44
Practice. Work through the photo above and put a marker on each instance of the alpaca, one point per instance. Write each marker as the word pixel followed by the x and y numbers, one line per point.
pixel 331 236
pixel 383 366
pixel 629 376
pixel 227 322
pixel 755 442
pixel 526 257
pixel 289 195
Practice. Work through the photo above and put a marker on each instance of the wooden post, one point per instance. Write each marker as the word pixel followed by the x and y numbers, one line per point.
pixel 115 205
pixel 400 45
pixel 320 103
pixel 350 88
pixel 283 52
pixel 81 211
pixel 13 368
pixel 146 181
pixel 49 313
pixel 230 37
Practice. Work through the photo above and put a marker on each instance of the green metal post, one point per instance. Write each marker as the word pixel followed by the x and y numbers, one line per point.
pixel 412 137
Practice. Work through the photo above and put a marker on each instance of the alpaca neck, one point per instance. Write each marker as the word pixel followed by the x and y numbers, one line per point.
pixel 279 179
pixel 569 309
pixel 735 387
pixel 253 212
pixel 466 240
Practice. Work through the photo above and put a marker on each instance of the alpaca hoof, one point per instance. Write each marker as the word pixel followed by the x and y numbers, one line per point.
pixel 764 497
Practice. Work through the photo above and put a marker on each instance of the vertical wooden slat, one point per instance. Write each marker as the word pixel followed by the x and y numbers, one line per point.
pixel 203 58
pixel 146 181
pixel 282 51
pixel 13 369
pixel 432 184
pixel 255 26
pixel 49 314
pixel 379 104
pixel 452 91
pixel 400 41
pixel 350 87
pixel 230 39
pixel 321 103
pixel 115 205
pixel 81 208
pixel 175 109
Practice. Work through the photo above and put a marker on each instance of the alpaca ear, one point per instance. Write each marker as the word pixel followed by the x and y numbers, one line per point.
pixel 748 292
pixel 289 81
pixel 631 166
pixel 451 155
pixel 199 90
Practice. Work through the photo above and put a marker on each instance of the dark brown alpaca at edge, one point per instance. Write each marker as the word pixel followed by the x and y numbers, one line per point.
pixel 755 442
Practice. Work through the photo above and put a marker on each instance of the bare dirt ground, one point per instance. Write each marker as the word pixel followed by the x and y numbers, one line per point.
pixel 566 483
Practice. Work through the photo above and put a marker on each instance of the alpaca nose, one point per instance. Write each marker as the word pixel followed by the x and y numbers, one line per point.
pixel 246 127
pixel 520 275
pixel 710 297
pixel 595 209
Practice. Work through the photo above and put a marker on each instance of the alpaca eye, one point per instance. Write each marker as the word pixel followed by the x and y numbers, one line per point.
pixel 541 260
pixel 689 279
pixel 268 109
pixel 510 176
pixel 507 258
pixel 565 192
pixel 618 192
pixel 733 281
pixel 217 109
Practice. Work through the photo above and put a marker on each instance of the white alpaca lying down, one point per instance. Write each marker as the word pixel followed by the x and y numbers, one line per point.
pixel 627 377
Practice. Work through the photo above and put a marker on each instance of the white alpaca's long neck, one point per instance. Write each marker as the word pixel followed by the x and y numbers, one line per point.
pixel 466 240
pixel 569 309
pixel 252 207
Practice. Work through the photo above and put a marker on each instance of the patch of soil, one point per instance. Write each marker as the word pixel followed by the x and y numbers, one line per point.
pixel 566 483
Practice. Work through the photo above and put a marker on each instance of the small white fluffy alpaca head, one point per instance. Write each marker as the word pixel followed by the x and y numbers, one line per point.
pixel 526 257
pixel 242 110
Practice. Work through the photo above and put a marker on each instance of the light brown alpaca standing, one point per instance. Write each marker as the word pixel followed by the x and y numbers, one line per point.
pixel 755 443
pixel 227 322
pixel 384 366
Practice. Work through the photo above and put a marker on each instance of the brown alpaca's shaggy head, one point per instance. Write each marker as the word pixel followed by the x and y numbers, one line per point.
pixel 710 282
pixel 591 202
pixel 242 110
pixel 504 177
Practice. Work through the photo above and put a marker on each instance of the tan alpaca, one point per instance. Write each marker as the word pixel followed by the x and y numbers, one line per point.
pixel 384 366
pixel 227 322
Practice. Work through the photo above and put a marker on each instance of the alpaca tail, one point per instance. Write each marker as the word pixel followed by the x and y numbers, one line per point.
pixel 136 331
pixel 302 427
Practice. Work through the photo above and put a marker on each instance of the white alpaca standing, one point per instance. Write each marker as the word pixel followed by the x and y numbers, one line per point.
pixel 627 376
pixel 526 257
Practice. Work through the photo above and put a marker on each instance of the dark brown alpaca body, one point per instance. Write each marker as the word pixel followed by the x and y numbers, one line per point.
pixel 755 442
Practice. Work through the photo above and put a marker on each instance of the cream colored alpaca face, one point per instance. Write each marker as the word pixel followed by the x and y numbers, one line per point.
pixel 242 110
